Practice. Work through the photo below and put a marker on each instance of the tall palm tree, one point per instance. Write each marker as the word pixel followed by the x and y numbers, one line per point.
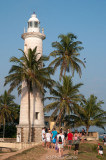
pixel 7 109
pixel 66 54
pixel 29 69
pixel 65 96
pixel 89 113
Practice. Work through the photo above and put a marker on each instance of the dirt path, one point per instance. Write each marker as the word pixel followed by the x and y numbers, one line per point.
pixel 52 154
pixel 48 155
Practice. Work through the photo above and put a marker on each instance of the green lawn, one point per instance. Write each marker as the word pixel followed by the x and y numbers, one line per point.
pixel 87 151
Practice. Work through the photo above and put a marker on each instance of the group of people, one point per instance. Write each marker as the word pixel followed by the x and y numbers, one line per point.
pixel 53 139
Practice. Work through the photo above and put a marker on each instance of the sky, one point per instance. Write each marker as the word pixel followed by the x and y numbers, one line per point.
pixel 84 18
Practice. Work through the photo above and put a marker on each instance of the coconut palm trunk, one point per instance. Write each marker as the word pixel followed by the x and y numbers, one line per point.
pixel 59 118
pixel 4 128
pixel 65 72
pixel 29 119
pixel 87 128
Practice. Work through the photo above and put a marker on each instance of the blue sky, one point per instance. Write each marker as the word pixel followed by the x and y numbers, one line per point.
pixel 85 18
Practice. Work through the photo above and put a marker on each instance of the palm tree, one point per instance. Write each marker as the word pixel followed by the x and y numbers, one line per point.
pixel 66 54
pixel 64 98
pixel 89 113
pixel 7 109
pixel 29 69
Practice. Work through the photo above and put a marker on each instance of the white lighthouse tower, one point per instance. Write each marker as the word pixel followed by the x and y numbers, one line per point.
pixel 32 38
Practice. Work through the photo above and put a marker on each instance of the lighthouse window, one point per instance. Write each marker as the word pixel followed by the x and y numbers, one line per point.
pixel 36 115
pixel 35 24
pixel 30 24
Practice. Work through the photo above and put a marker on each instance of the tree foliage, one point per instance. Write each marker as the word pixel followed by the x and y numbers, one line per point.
pixel 29 69
pixel 8 110
pixel 89 113
pixel 65 96
pixel 66 54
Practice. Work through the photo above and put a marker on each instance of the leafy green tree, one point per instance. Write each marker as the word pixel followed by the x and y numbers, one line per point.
pixel 65 96
pixel 8 110
pixel 66 54
pixel 28 69
pixel 89 113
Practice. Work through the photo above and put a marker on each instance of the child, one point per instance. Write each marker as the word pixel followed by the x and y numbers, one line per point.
pixel 100 149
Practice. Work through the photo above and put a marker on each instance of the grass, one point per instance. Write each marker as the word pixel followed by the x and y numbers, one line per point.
pixel 87 151
pixel 29 154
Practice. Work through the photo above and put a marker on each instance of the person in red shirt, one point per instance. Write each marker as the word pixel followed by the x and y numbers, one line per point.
pixel 70 139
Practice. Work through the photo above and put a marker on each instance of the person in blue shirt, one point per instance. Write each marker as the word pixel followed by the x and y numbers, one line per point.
pixel 54 137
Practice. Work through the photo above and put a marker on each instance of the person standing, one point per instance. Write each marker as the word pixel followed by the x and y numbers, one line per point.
pixel 76 139
pixel 48 139
pixel 43 137
pixel 54 136
pixel 100 149
pixel 60 140
pixel 70 139
pixel 83 135
pixel 68 131
pixel 104 140
pixel 65 136
pixel 104 134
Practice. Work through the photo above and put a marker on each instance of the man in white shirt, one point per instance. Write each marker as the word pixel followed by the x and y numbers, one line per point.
pixel 43 137
pixel 60 140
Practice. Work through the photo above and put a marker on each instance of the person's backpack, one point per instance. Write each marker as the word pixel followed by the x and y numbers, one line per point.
pixel 75 138
pixel 60 140
pixel 100 148
pixel 65 134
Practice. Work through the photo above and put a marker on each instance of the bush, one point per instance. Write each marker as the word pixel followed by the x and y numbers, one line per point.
pixel 10 131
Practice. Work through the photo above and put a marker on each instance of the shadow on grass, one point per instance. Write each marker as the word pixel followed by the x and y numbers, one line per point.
pixel 82 152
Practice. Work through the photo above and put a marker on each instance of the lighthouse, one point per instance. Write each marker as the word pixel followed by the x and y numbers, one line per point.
pixel 32 38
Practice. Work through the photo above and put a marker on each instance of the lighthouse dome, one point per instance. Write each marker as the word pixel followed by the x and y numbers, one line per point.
pixel 33 24
pixel 33 18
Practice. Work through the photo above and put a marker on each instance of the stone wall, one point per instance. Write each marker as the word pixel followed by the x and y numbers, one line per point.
pixel 18 146
pixel 11 140
pixel 37 134
pixel 22 134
